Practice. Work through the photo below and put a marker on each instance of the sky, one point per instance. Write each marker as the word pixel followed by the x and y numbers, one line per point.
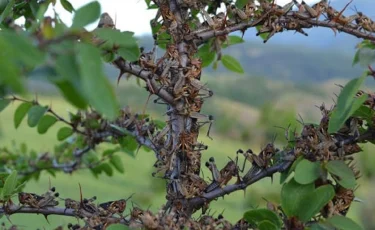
pixel 130 15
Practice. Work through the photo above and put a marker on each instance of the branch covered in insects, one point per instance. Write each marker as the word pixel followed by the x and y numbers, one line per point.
pixel 275 19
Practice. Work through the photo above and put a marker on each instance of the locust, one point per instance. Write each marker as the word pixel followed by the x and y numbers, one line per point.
pixel 222 177
pixel 113 207
pixel 48 199
pixel 315 11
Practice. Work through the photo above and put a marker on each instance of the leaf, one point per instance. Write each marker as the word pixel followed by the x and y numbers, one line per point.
pixel 107 169
pixel 241 3
pixel 346 104
pixel 343 223
pixel 116 161
pixel 284 175
pixel 206 55
pixel 128 145
pixel 292 195
pixel 20 48
pixel 320 226
pixel 307 172
pixel 345 176
pixel 121 130
pixel 67 5
pixel 10 75
pixel 267 225
pixel 64 133
pixel 315 201
pixel 9 185
pixel 35 114
pixel 4 103
pixel 85 15
pixel 45 123
pixel 20 113
pixel 117 227
pixel 7 10
pixel 71 94
pixel 231 64
pixel 232 40
pixel 130 54
pixel 116 37
pixel 257 216
pixel 95 84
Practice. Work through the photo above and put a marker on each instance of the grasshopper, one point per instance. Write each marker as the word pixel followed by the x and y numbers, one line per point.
pixel 222 177
pixel 336 16
pixel 365 22
pixel 315 11
pixel 113 207
pixel 36 201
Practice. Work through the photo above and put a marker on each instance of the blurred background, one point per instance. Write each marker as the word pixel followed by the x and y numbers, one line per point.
pixel 285 79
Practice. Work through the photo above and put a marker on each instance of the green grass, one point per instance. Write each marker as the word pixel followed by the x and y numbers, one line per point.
pixel 137 178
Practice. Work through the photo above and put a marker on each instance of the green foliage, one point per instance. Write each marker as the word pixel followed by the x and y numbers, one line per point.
pixel 365 54
pixel 35 114
pixel 9 186
pixel 45 123
pixel 257 217
pixel 67 5
pixel 116 161
pixel 342 173
pixel 99 91
pixel 343 223
pixel 117 227
pixel 307 172
pixel 86 15
pixel 20 113
pixel 128 145
pixel 7 10
pixel 4 103
pixel 232 64
pixel 303 201
pixel 206 55
pixel 347 104
pixel 64 133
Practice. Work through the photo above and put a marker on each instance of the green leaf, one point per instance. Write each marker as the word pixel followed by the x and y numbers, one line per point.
pixel 128 145
pixel 95 84
pixel 241 3
pixel 292 195
pixel 4 103
pixel 320 226
pixel 67 5
pixel 232 40
pixel 284 175
pixel 45 123
pixel 107 169
pixel 71 94
pixel 20 113
pixel 116 37
pixel 307 172
pixel 232 64
pixel 267 225
pixel 86 15
pixel 315 201
pixel 9 185
pixel 116 161
pixel 7 10
pixel 10 75
pixel 346 104
pixel 257 216
pixel 20 48
pixel 344 175
pixel 35 114
pixel 64 133
pixel 117 227
pixel 130 54
pixel 206 55
pixel 343 223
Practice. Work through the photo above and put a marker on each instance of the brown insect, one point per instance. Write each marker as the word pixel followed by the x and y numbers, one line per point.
pixel 222 177
pixel 36 201
pixel 113 207
pixel 315 11
pixel 365 22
